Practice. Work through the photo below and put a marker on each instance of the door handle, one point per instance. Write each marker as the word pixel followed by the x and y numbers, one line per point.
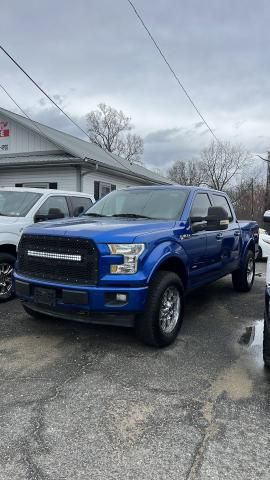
pixel 219 236
pixel 237 233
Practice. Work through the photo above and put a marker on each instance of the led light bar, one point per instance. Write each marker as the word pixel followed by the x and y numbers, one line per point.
pixel 55 256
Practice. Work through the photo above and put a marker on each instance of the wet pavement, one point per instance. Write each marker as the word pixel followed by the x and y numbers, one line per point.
pixel 84 402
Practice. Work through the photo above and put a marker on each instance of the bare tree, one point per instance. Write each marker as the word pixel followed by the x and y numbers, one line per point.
pixel 109 129
pixel 221 163
pixel 187 173
pixel 248 199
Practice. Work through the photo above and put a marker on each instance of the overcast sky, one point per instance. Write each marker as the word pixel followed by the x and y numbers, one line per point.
pixel 89 51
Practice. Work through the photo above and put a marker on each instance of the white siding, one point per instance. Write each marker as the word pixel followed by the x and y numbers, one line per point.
pixel 120 182
pixel 23 140
pixel 65 177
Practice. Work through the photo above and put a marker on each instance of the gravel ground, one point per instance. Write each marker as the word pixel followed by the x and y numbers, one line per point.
pixel 84 402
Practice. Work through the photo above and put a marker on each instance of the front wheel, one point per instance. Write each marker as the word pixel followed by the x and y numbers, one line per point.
pixel 160 323
pixel 243 278
pixel 7 263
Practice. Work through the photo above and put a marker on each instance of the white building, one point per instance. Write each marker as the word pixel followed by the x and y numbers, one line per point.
pixel 35 155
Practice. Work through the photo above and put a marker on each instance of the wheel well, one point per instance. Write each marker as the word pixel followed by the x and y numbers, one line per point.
pixel 251 247
pixel 175 265
pixel 11 249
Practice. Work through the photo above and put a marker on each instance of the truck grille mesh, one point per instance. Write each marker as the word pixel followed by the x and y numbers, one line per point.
pixel 62 259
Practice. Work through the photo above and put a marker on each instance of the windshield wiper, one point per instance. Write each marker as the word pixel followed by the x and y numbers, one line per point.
pixel 131 215
pixel 94 214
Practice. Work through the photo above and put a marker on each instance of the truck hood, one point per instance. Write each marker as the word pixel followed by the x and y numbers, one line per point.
pixel 10 220
pixel 101 230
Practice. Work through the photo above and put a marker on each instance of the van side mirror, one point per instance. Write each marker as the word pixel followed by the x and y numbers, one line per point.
pixel 266 216
pixel 217 219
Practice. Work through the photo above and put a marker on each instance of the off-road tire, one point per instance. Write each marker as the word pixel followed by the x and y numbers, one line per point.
pixel 7 258
pixel 148 326
pixel 266 345
pixel 240 277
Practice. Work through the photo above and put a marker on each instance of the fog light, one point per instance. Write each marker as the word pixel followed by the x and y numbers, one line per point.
pixel 121 297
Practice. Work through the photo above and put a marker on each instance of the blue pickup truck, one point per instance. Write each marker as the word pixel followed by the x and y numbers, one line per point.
pixel 133 257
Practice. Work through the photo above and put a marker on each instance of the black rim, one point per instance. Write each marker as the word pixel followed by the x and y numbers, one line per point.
pixel 6 271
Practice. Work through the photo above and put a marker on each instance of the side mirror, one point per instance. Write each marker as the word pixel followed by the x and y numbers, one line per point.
pixel 266 216
pixel 78 211
pixel 217 219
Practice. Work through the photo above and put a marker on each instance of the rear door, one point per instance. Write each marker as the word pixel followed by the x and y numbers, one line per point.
pixel 79 205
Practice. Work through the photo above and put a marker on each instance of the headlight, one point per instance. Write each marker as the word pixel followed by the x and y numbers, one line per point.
pixel 130 252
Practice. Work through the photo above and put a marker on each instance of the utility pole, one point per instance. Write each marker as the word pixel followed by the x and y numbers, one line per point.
pixel 252 198
pixel 267 192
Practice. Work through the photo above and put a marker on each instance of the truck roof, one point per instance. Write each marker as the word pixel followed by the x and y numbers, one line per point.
pixel 169 187
pixel 44 191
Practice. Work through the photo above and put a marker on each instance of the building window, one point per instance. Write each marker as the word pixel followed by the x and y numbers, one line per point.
pixel 47 185
pixel 102 188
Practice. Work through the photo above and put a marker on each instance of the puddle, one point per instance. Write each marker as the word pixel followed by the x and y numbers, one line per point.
pixel 250 346
pixel 252 335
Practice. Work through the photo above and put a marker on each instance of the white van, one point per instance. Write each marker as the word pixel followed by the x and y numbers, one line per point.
pixel 20 207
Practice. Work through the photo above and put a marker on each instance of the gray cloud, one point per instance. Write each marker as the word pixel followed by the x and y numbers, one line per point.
pixel 162 136
pixel 85 53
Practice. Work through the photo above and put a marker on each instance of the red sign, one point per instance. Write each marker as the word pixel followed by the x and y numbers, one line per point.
pixel 4 130
pixel 4 133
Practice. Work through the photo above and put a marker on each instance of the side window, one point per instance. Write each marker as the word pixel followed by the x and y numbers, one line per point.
pixel 220 201
pixel 53 208
pixel 80 205
pixel 200 205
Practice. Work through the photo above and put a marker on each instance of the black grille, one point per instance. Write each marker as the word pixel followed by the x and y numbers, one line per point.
pixel 81 272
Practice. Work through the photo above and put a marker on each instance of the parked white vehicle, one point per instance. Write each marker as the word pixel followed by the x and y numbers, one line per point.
pixel 264 244
pixel 266 330
pixel 20 207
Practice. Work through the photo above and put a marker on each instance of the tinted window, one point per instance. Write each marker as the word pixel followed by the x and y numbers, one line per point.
pixel 164 203
pixel 53 206
pixel 220 201
pixel 200 205
pixel 17 204
pixel 80 205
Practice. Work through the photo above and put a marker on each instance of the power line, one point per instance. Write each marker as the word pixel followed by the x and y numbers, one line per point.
pixel 43 133
pixel 173 72
pixel 54 103
pixel 43 91
pixel 21 109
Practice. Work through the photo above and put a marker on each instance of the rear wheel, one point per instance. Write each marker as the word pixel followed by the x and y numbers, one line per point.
pixel 266 345
pixel 160 323
pixel 243 278
pixel 7 263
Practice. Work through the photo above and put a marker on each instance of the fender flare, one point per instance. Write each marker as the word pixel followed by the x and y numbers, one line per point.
pixel 182 258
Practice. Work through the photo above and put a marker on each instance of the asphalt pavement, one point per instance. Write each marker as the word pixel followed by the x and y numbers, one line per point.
pixel 82 402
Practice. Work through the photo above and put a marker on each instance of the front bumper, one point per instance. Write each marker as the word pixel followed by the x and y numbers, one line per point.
pixel 82 302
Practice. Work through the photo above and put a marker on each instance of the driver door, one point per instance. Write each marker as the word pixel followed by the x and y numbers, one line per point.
pixel 196 245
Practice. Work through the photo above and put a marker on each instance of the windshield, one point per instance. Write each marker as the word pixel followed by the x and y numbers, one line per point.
pixel 17 204
pixel 157 204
